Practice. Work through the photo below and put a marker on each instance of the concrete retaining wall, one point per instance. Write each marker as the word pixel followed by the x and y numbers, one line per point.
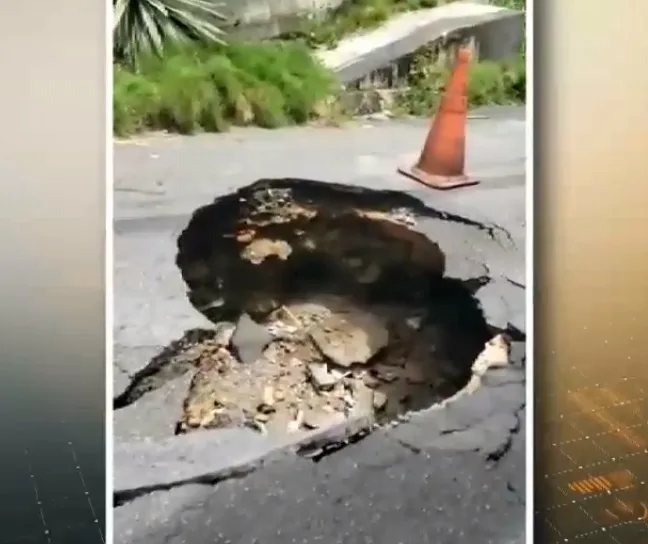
pixel 267 18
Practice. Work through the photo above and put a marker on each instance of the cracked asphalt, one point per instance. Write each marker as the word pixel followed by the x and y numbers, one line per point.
pixel 451 475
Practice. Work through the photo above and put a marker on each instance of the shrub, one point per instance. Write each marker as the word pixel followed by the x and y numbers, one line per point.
pixel 489 84
pixel 208 88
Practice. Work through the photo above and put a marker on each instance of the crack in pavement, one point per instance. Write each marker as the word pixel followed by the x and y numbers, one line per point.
pixel 122 498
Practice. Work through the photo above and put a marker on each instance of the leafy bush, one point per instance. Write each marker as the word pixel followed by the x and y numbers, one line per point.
pixel 489 84
pixel 209 88
pixel 146 26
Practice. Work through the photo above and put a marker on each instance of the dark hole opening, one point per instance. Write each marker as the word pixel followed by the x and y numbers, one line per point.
pixel 358 315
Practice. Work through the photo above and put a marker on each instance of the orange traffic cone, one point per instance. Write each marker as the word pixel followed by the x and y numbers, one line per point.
pixel 442 161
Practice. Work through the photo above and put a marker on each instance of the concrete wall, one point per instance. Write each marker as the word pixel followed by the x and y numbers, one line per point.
pixel 266 18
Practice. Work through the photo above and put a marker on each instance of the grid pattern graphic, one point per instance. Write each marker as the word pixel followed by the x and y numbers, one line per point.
pixel 592 457
pixel 45 495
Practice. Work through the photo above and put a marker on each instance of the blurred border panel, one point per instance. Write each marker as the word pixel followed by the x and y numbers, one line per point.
pixel 591 383
pixel 52 227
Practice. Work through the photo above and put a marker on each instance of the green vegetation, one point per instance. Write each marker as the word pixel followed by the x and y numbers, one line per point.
pixel 209 88
pixel 489 84
pixel 146 26
pixel 354 16
pixel 172 71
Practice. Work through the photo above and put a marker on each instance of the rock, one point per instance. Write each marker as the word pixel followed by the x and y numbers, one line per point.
pixel 352 337
pixel 262 417
pixel 362 400
pixel 249 340
pixel 268 395
pixel 224 333
pixel 495 355
pixel 414 322
pixel 259 250
pixel 295 424
pixel 314 419
pixel 322 379
pixel 379 400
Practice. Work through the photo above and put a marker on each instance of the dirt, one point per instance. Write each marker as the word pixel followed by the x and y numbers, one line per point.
pixel 295 386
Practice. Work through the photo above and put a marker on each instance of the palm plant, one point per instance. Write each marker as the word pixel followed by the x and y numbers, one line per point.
pixel 148 25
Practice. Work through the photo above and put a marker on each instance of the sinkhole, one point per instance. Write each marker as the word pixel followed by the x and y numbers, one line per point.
pixel 329 302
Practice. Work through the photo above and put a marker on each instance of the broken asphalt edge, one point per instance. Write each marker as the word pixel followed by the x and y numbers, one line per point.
pixel 478 422
pixel 474 422
pixel 262 451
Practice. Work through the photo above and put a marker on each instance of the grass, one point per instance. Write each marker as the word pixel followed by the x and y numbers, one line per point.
pixel 489 84
pixel 277 83
pixel 194 89
pixel 353 16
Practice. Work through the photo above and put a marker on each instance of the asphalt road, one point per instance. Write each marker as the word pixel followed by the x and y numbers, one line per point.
pixel 446 476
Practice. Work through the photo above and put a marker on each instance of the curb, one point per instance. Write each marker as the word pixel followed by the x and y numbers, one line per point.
pixel 356 57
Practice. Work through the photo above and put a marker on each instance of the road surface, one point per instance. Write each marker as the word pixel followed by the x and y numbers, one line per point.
pixel 445 476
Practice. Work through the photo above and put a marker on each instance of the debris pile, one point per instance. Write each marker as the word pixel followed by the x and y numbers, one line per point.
pixel 314 364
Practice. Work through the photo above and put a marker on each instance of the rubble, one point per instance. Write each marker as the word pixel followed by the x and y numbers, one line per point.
pixel 249 339
pixel 322 379
pixel 295 386
pixel 350 339
pixel 224 333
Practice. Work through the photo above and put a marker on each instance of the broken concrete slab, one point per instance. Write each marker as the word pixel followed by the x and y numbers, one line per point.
pixel 498 33
pixel 322 379
pixel 249 339
pixel 350 338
